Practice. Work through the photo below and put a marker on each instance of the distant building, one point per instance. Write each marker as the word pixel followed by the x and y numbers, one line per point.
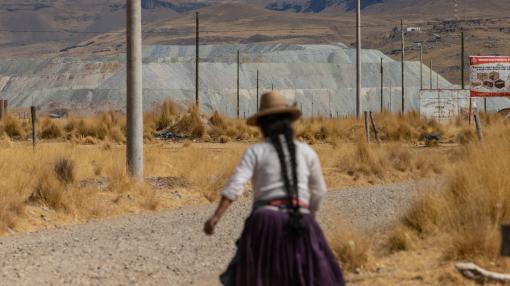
pixel 413 29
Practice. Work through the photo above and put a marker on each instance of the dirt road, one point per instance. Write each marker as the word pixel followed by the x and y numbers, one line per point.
pixel 167 248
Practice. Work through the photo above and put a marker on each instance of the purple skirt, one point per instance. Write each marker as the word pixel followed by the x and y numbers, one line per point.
pixel 267 255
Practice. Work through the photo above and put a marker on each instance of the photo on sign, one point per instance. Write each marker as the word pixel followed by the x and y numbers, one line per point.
pixel 490 76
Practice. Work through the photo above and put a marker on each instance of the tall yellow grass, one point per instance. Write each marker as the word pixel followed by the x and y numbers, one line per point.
pixel 191 124
pixel 474 201
pixel 75 183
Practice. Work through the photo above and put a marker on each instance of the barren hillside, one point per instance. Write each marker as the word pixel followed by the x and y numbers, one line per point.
pixel 64 27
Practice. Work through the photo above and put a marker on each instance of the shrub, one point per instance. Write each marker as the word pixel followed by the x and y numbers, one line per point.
pixel 349 247
pixel 12 127
pixel 64 170
pixel 190 124
pixel 50 130
pixel 48 192
pixel 472 205
pixel 164 115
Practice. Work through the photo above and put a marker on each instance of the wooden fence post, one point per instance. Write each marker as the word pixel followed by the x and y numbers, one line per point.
pixel 1 109
pixel 376 130
pixel 478 127
pixel 367 127
pixel 505 240
pixel 33 112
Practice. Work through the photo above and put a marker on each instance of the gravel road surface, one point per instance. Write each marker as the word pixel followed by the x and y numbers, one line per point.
pixel 168 248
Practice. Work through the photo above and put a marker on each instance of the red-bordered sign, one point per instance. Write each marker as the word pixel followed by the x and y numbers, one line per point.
pixel 489 76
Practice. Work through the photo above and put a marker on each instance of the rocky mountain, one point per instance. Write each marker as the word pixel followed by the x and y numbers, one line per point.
pixel 316 6
pixel 56 28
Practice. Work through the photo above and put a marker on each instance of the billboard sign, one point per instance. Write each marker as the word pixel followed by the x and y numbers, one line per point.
pixel 489 76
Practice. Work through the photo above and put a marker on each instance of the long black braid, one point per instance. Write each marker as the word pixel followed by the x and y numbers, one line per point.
pixel 278 128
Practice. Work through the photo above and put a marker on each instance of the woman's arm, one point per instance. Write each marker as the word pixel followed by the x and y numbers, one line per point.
pixel 233 189
pixel 213 221
pixel 317 184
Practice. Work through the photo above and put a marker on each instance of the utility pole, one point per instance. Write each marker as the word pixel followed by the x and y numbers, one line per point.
pixel 238 64
pixel 312 106
pixel 134 90
pixel 33 113
pixel 437 80
pixel 382 85
pixel 257 106
pixel 391 95
pixel 462 55
pixel 431 74
pixel 358 58
pixel 462 66
pixel 197 61
pixel 421 66
pixel 402 60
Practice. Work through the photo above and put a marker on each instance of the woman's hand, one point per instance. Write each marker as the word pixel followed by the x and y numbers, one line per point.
pixel 213 221
pixel 210 225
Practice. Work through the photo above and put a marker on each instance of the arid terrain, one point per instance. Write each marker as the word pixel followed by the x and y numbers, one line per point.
pixel 37 25
pixel 397 212
pixel 404 205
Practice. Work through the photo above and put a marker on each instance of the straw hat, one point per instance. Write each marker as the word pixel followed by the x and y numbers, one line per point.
pixel 273 103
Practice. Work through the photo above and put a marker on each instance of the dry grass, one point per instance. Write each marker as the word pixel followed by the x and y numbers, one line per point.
pixel 49 181
pixel 474 202
pixel 64 183
pixel 193 125
pixel 358 164
pixel 350 247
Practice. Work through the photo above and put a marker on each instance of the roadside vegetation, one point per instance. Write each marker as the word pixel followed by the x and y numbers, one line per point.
pixel 77 173
pixel 468 211
pixel 189 124
pixel 459 221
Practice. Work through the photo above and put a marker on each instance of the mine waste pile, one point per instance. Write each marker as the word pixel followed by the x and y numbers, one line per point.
pixel 321 78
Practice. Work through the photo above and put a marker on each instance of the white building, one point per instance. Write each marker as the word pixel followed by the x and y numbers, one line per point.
pixel 413 29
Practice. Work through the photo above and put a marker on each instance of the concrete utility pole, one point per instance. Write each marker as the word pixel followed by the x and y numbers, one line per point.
pixel 402 60
pixel 431 74
pixel 358 58
pixel 382 86
pixel 462 55
pixel 421 66
pixel 238 67
pixel 134 90
pixel 197 61
pixel 257 106
pixel 391 95
pixel 437 80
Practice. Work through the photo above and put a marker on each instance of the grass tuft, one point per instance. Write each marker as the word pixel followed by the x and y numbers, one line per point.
pixel 64 170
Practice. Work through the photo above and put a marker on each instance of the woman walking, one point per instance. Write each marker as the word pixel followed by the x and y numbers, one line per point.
pixel 281 243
